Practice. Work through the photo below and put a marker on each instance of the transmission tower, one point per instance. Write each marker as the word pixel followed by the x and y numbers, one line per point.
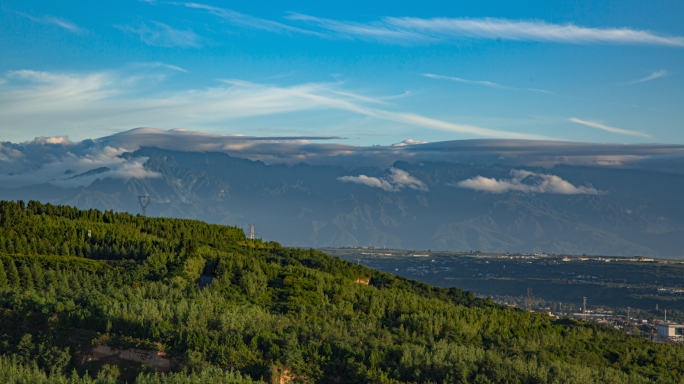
pixel 529 299
pixel 143 202
pixel 584 305
pixel 251 231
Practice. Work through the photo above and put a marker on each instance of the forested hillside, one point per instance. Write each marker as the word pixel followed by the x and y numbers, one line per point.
pixel 102 297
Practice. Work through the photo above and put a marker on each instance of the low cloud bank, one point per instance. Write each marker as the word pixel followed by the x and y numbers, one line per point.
pixel 59 161
pixel 394 182
pixel 528 182
pixel 325 151
pixel 47 159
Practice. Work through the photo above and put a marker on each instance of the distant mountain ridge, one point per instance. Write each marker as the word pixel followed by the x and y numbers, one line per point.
pixel 637 213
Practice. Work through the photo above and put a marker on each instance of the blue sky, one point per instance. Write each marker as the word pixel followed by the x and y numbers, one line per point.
pixel 370 73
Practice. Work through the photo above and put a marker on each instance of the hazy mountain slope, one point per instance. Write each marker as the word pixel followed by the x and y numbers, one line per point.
pixel 634 213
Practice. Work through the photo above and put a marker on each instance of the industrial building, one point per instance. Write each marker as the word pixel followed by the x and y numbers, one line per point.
pixel 671 330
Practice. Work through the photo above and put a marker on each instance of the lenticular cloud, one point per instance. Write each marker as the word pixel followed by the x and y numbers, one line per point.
pixel 528 182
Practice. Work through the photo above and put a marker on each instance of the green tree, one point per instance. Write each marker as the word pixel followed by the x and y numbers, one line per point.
pixel 26 347
pixel 38 275
pixel 9 246
pixel 108 373
pixel 12 274
pixel 3 275
pixel 26 278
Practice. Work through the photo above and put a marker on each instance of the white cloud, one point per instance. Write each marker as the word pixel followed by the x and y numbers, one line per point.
pixel 608 129
pixel 369 181
pixel 162 35
pixel 29 162
pixel 310 150
pixel 394 182
pixel 652 76
pixel 369 32
pixel 408 142
pixel 248 21
pixel 51 20
pixel 158 64
pixel 51 140
pixel 8 153
pixel 536 183
pixel 409 118
pixel 484 83
pixel 50 92
pixel 401 178
pixel 411 30
pixel 59 161
pixel 62 101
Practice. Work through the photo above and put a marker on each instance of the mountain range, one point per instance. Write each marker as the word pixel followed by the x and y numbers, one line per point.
pixel 457 206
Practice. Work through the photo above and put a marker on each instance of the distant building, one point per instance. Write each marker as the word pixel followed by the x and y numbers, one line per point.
pixel 671 330
pixel 674 292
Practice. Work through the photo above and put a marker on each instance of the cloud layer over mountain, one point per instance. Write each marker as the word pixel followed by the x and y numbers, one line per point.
pixel 58 160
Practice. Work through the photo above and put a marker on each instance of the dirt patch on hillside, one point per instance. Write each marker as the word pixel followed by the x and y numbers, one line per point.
pixel 281 375
pixel 362 281
pixel 157 359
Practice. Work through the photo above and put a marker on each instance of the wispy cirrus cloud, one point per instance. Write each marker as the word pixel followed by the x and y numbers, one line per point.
pixel 411 30
pixel 483 83
pixel 247 20
pixel 607 128
pixel 52 20
pixel 652 76
pixel 162 35
pixel 111 99
pixel 159 64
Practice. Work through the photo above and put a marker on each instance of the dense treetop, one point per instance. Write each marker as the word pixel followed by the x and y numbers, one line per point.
pixel 228 309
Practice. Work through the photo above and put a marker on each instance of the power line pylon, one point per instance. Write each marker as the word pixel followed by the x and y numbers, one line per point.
pixel 584 305
pixel 251 231
pixel 143 202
